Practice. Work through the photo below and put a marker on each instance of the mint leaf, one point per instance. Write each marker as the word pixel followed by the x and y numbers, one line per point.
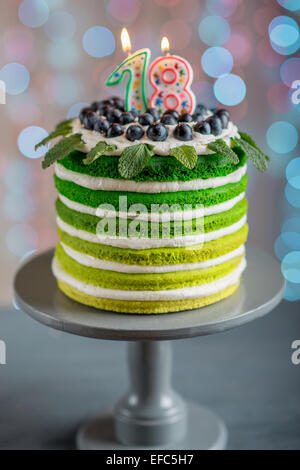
pixel 220 147
pixel 62 129
pixel 134 159
pixel 250 141
pixel 97 151
pixel 256 156
pixel 186 154
pixel 62 149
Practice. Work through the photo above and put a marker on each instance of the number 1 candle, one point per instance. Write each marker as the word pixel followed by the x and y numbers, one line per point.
pixel 171 76
pixel 136 65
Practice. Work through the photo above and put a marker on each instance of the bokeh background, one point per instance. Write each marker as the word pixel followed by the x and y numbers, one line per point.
pixel 55 56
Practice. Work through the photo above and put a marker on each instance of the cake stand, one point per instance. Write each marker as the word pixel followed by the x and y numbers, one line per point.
pixel 151 415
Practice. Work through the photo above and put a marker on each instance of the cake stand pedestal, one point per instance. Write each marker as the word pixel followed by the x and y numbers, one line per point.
pixel 151 415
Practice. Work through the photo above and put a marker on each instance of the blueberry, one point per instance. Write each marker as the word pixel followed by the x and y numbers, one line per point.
pixel 115 130
pixel 200 108
pixel 134 132
pixel 224 116
pixel 113 115
pixel 89 120
pixel 169 120
pixel 94 106
pixel 134 113
pixel 101 125
pixel 157 132
pixel 198 117
pixel 215 124
pixel 109 102
pixel 183 132
pixel 154 113
pixel 126 118
pixel 119 103
pixel 83 113
pixel 173 113
pixel 203 127
pixel 186 117
pixel 146 119
pixel 105 109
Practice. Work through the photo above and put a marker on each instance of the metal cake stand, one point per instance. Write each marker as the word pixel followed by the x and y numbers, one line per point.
pixel 151 415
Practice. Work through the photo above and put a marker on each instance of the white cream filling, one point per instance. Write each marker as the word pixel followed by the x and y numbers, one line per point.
pixel 91 262
pixel 150 187
pixel 154 216
pixel 199 142
pixel 203 290
pixel 136 243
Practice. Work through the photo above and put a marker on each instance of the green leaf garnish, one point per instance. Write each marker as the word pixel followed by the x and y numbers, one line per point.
pixel 186 154
pixel 250 141
pixel 62 129
pixel 134 159
pixel 100 149
pixel 62 149
pixel 220 147
pixel 256 156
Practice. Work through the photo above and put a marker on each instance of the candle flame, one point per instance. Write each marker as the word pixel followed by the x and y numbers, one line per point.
pixel 165 45
pixel 125 39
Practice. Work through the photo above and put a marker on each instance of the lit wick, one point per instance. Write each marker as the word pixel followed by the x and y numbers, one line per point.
pixel 126 43
pixel 165 45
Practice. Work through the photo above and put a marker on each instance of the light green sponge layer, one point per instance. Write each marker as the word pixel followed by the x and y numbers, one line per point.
pixel 214 222
pixel 158 256
pixel 141 282
pixel 94 198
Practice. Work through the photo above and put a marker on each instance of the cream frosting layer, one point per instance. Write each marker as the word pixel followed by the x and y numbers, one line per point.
pixel 136 243
pixel 152 216
pixel 172 294
pixel 150 187
pixel 199 142
pixel 92 262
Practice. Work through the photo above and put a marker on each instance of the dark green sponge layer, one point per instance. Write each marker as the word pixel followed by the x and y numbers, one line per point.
pixel 94 198
pixel 159 168
pixel 214 222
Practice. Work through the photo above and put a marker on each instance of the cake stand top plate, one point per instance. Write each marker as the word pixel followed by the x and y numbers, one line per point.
pixel 36 293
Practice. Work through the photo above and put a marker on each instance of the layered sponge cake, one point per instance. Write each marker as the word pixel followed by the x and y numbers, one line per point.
pixel 153 219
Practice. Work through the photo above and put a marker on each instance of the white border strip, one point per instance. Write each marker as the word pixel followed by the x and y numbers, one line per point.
pixel 203 290
pixel 135 243
pixel 91 262
pixel 150 187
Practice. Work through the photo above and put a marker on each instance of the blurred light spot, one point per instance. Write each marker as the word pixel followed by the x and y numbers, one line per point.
pixel 24 109
pixel 282 137
pixel 18 45
pixel 217 61
pixel 18 176
pixel 240 46
pixel 290 71
pixel 65 89
pixel 293 173
pixel 230 89
pixel 21 238
pixel 75 110
pixel 280 248
pixel 54 4
pixel 292 240
pixel 292 291
pixel 205 94
pixel 221 7
pixel 291 225
pixel 99 41
pixel 284 35
pixel 214 30
pixel 292 195
pixel 178 32
pixel 28 139
pixel 16 78
pixel 279 98
pixel 18 207
pixel 187 10
pixel 267 55
pixel 63 55
pixel 290 267
pixel 291 5
pixel 33 13
pixel 124 11
pixel 61 26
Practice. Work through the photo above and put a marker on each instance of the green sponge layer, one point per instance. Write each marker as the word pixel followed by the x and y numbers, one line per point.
pixel 207 197
pixel 158 256
pixel 140 282
pixel 159 168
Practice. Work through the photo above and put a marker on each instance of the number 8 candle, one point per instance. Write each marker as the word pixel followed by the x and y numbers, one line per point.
pixel 136 65
pixel 171 76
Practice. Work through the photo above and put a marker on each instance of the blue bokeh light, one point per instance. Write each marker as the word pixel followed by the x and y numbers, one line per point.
pixel 292 195
pixel 292 5
pixel 293 173
pixel 290 267
pixel 61 26
pixel 217 61
pixel 16 78
pixel 75 110
pixel 33 13
pixel 291 225
pixel 99 41
pixel 292 292
pixel 230 89
pixel 214 30
pixel 221 7
pixel 63 55
pixel 282 137
pixel 284 35
pixel 27 140
pixel 290 71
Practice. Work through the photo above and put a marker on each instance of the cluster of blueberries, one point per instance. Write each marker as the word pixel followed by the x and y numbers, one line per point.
pixel 108 117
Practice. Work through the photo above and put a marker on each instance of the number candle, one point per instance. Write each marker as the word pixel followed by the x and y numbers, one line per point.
pixel 137 66
pixel 171 76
